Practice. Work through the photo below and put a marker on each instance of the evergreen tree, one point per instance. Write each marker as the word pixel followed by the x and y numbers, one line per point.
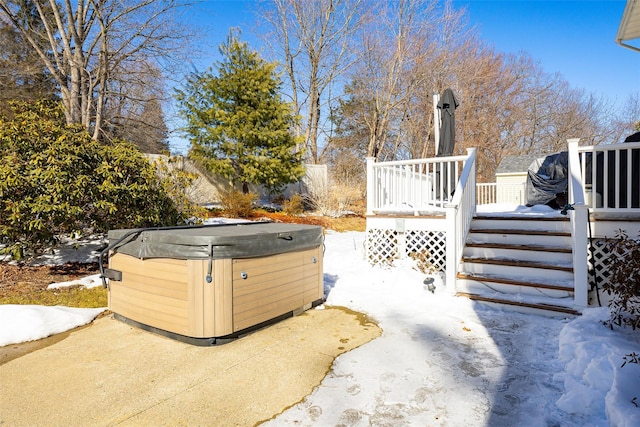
pixel 238 124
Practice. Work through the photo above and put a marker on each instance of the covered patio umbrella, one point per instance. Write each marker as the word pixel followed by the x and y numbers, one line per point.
pixel 447 106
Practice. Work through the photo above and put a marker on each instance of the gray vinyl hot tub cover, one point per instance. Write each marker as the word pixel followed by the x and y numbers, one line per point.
pixel 242 240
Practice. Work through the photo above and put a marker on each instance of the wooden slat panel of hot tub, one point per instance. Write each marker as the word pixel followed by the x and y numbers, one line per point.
pixel 275 285
pixel 153 292
pixel 211 308
pixel 173 295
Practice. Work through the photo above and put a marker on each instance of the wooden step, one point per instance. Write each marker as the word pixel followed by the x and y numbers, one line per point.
pixel 534 306
pixel 508 281
pixel 538 248
pixel 517 263
pixel 518 232
pixel 511 217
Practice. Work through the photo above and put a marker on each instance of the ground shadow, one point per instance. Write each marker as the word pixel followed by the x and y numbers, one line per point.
pixel 329 283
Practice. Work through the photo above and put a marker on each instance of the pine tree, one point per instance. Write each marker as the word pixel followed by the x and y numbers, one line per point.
pixel 237 122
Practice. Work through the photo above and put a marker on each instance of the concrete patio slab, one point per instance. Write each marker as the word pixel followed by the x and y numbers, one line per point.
pixel 110 373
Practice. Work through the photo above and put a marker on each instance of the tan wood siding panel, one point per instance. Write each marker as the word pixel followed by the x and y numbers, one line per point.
pixel 276 264
pixel 173 294
pixel 170 289
pixel 311 295
pixel 314 289
pixel 196 298
pixel 223 297
pixel 153 292
pixel 162 268
pixel 216 297
pixel 157 319
pixel 267 260
pixel 257 283
pixel 266 296
pixel 152 301
pixel 266 312
pixel 163 264
pixel 275 285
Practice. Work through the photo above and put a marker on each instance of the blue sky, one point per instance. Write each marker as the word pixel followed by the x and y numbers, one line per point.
pixel 575 38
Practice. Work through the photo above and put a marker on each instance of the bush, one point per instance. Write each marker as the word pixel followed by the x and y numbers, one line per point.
pixel 293 206
pixel 55 179
pixel 236 204
pixel 335 200
pixel 624 282
pixel 177 182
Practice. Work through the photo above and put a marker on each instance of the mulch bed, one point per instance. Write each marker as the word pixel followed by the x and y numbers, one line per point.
pixel 24 279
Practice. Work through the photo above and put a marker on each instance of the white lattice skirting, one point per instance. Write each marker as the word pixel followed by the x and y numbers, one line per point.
pixel 383 246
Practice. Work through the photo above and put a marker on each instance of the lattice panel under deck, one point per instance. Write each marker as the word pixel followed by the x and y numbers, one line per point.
pixel 599 257
pixel 430 243
pixel 383 246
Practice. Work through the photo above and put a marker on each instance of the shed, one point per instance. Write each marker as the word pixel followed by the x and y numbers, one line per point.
pixel 511 177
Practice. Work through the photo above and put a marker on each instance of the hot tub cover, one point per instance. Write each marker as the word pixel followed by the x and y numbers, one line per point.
pixel 242 240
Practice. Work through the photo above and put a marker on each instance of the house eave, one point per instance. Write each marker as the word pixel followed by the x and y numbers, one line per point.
pixel 629 30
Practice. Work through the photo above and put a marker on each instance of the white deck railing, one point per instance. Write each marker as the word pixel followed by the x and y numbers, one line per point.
pixel 603 178
pixel 412 186
pixel 444 186
pixel 493 192
pixel 611 176
pixel 460 214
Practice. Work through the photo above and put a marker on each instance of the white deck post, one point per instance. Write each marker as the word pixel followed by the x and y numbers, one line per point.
pixel 452 250
pixel 371 189
pixel 579 224
pixel 436 122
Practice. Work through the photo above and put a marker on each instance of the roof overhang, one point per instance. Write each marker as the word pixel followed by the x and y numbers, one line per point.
pixel 629 30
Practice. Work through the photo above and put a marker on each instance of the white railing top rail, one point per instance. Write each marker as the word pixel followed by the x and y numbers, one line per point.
pixel 433 160
pixel 609 147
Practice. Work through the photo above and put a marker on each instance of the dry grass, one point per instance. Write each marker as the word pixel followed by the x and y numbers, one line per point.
pixel 341 224
pixel 28 285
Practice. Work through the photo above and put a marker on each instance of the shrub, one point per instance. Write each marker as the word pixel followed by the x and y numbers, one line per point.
pixel 423 262
pixel 624 282
pixel 236 204
pixel 177 182
pixel 293 206
pixel 333 200
pixel 55 179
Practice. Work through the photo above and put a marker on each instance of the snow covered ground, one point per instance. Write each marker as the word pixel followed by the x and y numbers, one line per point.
pixel 441 360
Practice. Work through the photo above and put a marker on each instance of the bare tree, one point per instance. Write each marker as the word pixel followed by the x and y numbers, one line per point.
pixel 89 41
pixel 404 46
pixel 23 75
pixel 312 39
pixel 627 120
pixel 394 42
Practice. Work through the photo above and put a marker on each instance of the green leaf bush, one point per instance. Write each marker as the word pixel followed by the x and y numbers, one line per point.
pixel 55 179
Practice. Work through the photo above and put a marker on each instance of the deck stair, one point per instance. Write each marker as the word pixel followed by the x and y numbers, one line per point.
pixel 521 261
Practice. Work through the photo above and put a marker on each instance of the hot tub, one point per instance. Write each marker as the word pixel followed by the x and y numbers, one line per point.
pixel 209 284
